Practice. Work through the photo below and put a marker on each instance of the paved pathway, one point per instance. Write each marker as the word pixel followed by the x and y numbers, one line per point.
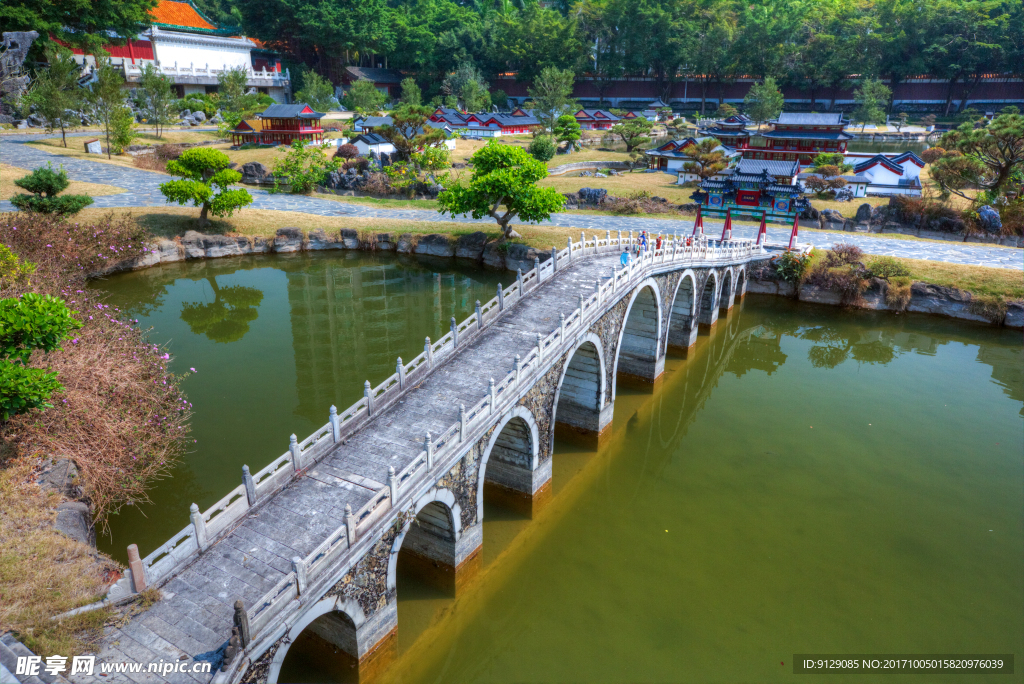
pixel 143 191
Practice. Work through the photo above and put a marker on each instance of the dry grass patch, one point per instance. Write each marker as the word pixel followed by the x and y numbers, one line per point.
pixel 8 174
pixel 979 280
pixel 44 573
pixel 76 145
pixel 658 184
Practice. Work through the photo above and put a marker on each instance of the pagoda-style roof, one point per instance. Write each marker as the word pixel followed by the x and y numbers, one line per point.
pixel 738 132
pixel 807 135
pixel 248 126
pixel 772 167
pixel 810 119
pixel 182 15
pixel 300 110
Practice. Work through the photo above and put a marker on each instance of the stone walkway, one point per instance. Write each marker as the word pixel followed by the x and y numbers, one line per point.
pixel 143 191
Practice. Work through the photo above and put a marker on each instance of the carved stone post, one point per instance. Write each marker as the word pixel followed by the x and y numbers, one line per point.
pixel 570 249
pixel 350 525
pixel 400 369
pixel 429 445
pixel 335 424
pixel 540 347
pixel 137 569
pixel 462 422
pixel 501 298
pixel 561 328
pixel 536 269
pixel 494 396
pixel 479 316
pixel 429 351
pixel 368 393
pixel 293 446
pixel 250 485
pixel 455 333
pixel 393 484
pixel 242 624
pixel 519 279
pixel 519 368
pixel 554 259
pixel 200 526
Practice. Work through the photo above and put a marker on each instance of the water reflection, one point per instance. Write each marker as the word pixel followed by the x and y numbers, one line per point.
pixel 227 317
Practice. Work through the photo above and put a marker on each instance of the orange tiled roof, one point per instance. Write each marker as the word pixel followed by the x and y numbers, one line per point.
pixel 179 14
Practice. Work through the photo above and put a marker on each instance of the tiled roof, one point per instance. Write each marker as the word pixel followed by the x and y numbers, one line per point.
pixel 802 119
pixel 290 111
pixel 254 124
pixel 847 178
pixel 900 158
pixel 183 14
pixel 727 131
pixel 807 135
pixel 773 167
pixel 605 115
pixel 879 159
pixel 371 139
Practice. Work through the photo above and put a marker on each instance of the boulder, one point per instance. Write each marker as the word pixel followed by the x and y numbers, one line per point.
pixel 1014 315
pixel 945 301
pixel 254 172
pixel 185 113
pixel 809 213
pixel 36 120
pixel 947 224
pixel 471 246
pixel 198 116
pixel 320 239
pixel 199 246
pixel 406 244
pixel 288 240
pixel 600 175
pixel 59 475
pixel 989 219
pixel 74 519
pixel 385 242
pixel 350 238
pixel 592 195
pixel 863 213
pixel 435 245
pixel 521 257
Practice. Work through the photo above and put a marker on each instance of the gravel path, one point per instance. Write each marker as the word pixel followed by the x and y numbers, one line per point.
pixel 143 191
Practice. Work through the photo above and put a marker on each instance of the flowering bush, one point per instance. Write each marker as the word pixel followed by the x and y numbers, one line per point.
pixel 120 416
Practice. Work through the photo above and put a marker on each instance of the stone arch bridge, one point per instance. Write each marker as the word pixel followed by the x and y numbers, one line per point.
pixel 313 541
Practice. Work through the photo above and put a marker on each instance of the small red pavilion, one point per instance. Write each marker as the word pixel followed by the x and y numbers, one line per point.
pixel 283 124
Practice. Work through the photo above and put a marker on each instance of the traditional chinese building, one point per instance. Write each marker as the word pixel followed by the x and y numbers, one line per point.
pixel 486 124
pixel 191 50
pixel 596 119
pixel 754 188
pixel 281 124
pixel 670 157
pixel 793 137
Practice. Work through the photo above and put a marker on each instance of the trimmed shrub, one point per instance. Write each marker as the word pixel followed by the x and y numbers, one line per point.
pixel 45 184
pixel 792 267
pixel 542 148
pixel 888 268
pixel 347 151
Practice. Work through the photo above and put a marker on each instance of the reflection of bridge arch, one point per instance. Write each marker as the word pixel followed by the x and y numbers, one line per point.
pixel 636 353
pixel 581 404
pixel 338 616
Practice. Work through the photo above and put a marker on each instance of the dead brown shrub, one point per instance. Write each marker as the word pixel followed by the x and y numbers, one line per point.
pixel 157 161
pixel 897 293
pixel 121 416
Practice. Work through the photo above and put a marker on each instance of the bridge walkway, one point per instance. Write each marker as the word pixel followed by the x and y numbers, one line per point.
pixel 195 616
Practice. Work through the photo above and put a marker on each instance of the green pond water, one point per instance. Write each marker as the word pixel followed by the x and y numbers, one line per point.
pixel 807 480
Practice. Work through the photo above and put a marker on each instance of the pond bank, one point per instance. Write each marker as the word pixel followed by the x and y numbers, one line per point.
pixel 925 297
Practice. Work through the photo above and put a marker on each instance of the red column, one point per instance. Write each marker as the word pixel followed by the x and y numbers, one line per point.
pixel 796 228
pixel 699 223
pixel 727 228
pixel 762 232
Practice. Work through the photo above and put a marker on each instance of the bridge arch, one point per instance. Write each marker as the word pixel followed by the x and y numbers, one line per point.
pixel 433 532
pixel 582 407
pixel 347 617
pixel 637 353
pixel 741 281
pixel 707 308
pixel 682 315
pixel 516 443
pixel 725 298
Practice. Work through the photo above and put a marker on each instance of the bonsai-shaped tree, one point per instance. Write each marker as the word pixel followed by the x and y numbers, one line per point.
pixel 989 158
pixel 542 148
pixel 836 159
pixel 567 130
pixel 45 184
pixel 504 176
pixel 204 172
pixel 827 180
pixel 29 323
pixel 706 158
pixel 633 132
pixel 227 318
pixel 725 110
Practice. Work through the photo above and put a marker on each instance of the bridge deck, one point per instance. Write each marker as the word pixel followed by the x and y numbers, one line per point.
pixel 196 614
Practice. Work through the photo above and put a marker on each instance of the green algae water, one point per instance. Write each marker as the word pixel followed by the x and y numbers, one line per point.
pixel 807 480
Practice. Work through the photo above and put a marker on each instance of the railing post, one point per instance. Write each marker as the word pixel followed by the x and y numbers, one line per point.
pixel 368 393
pixel 614 276
pixel 250 485
pixel 561 328
pixel 540 347
pixel 581 308
pixel 429 351
pixel 583 241
pixel 479 316
pixel 501 298
pixel 393 484
pixel 242 623
pixel 519 368
pixel 462 422
pixel 570 249
pixel 536 269
pixel 429 444
pixel 293 446
pixel 494 396
pixel 519 279
pixel 608 237
pixel 599 296
pixel 620 239
pixel 137 569
pixel 554 259
pixel 350 525
pixel 335 424
pixel 455 333
pixel 400 369
pixel 200 526
pixel 299 566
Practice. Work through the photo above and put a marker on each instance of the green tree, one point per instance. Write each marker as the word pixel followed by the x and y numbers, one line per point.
pixel 158 101
pixel 204 172
pixel 82 23
pixel 30 323
pixel 764 101
pixel 567 130
pixel 363 97
pixel 122 130
pixel 725 110
pixel 551 95
pixel 107 97
pixel 45 184
pixel 227 317
pixel 504 177
pixel 14 271
pixel 633 132
pixel 411 94
pixel 542 148
pixel 475 97
pixel 901 121
pixel 304 167
pixel 409 131
pixel 317 92
pixel 56 94
pixel 467 85
pixel 705 158
pixel 836 159
pixel 234 100
pixel 872 97
pixel 987 158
